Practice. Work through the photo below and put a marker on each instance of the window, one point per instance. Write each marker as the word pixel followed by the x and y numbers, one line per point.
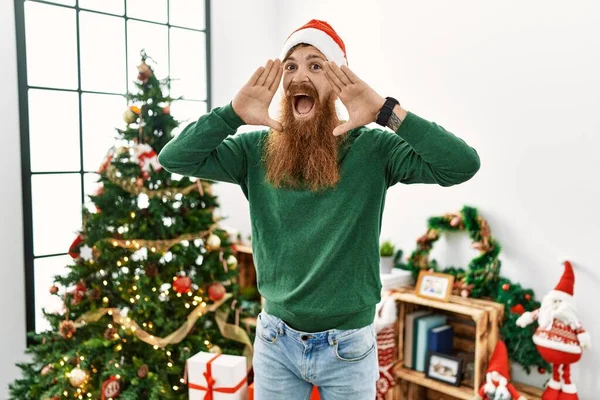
pixel 77 60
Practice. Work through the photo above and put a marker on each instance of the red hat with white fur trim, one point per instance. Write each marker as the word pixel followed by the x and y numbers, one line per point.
pixel 564 289
pixel 321 35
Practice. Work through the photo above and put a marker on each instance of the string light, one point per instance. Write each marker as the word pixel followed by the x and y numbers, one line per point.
pixel 105 283
pixel 105 300
pixel 132 214
pixel 134 287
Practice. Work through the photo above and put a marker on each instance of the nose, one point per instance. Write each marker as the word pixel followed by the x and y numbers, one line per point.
pixel 300 77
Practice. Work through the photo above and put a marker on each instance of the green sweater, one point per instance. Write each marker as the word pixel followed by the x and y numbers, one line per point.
pixel 317 254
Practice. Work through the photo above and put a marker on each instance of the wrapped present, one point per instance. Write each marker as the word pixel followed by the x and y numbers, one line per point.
pixel 313 396
pixel 217 377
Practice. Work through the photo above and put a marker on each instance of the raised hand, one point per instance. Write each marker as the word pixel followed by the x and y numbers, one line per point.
pixel 252 102
pixel 362 102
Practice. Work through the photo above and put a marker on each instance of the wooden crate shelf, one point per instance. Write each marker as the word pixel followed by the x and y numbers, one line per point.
pixel 487 317
pixel 419 378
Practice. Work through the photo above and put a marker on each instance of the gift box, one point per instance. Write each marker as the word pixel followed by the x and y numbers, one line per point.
pixel 217 377
pixel 313 396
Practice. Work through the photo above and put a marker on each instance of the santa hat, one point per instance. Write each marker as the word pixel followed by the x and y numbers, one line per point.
pixel 320 35
pixel 499 360
pixel 564 290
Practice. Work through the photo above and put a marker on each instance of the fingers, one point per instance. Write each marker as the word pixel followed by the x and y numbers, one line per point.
pixel 340 74
pixel 340 129
pixel 351 75
pixel 274 124
pixel 335 82
pixel 263 77
pixel 255 76
pixel 273 73
pixel 277 80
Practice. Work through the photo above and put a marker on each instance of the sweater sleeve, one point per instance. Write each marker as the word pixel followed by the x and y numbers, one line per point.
pixel 204 149
pixel 424 152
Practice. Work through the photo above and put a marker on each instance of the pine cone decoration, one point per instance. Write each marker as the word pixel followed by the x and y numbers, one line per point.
pixel 142 371
pixel 66 329
pixel 109 333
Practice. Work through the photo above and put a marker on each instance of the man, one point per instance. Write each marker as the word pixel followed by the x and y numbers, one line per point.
pixel 316 188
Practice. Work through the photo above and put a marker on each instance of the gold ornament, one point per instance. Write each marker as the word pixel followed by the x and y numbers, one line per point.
pixel 232 262
pixel 129 116
pixel 213 242
pixel 77 377
pixel 215 349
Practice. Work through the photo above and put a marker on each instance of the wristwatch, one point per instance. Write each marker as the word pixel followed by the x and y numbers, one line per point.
pixel 386 111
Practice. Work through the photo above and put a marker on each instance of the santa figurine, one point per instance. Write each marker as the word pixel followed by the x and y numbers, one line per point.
pixel 560 336
pixel 497 385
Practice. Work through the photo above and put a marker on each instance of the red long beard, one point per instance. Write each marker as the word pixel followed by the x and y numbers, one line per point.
pixel 305 154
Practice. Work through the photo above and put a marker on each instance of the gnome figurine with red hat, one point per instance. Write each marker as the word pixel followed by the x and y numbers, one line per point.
pixel 497 385
pixel 560 336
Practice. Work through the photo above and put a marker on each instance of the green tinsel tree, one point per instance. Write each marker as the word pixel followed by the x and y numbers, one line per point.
pixel 481 279
pixel 152 253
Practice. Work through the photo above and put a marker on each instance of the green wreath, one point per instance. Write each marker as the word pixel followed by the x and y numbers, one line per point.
pixel 482 270
pixel 482 279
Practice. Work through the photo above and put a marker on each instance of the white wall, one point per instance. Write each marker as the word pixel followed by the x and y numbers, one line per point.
pixel 12 295
pixel 517 80
pixel 243 39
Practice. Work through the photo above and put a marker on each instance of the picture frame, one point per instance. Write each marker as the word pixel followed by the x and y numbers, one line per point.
pixel 433 285
pixel 444 368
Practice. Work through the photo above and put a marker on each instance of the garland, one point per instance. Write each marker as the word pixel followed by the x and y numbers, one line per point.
pixel 131 186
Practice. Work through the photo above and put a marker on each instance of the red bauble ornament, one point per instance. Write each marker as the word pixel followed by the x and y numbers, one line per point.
pixel 542 370
pixel 167 109
pixel 216 291
pixel 182 284
pixel 518 309
pixel 53 289
pixel 505 287
pixel 528 297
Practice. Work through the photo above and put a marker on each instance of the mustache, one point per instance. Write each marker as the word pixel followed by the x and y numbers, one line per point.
pixel 305 88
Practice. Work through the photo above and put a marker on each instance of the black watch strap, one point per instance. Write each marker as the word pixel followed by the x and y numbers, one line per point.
pixel 386 111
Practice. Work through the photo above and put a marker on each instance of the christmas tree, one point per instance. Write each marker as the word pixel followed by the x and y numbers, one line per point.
pixel 153 278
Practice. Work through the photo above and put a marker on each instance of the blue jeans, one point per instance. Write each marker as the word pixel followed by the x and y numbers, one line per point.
pixel 287 363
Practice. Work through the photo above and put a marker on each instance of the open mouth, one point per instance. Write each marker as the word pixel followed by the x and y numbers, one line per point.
pixel 303 104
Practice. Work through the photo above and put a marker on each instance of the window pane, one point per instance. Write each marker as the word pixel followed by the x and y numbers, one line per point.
pixel 66 2
pixel 51 46
pixel 56 206
pixel 186 112
pixel 154 39
pixel 188 64
pixel 90 186
pixel 44 271
pixel 54 130
pixel 102 53
pixel 101 115
pixel 155 10
pixel 188 13
pixel 108 6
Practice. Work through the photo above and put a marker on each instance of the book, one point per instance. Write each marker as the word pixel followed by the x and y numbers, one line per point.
pixel 441 339
pixel 423 325
pixel 409 327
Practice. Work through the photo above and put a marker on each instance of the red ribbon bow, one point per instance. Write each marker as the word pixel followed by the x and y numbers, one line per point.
pixel 210 382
